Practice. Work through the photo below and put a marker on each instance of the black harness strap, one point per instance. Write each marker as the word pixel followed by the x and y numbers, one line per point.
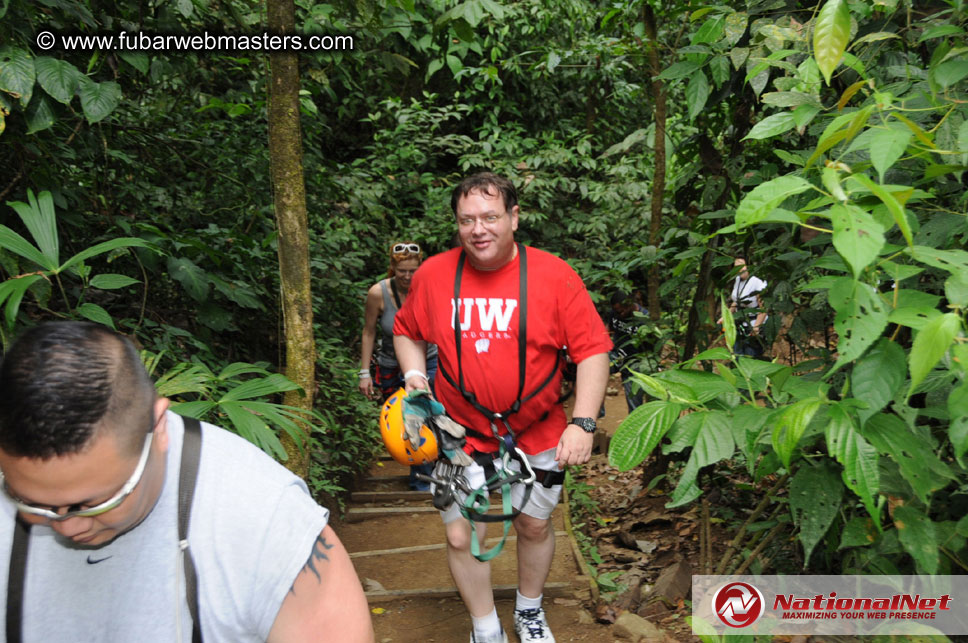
pixel 17 571
pixel 522 349
pixel 190 456
pixel 396 294
pixel 15 580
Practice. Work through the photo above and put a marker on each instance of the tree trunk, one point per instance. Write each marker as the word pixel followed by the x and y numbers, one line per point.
pixel 658 179
pixel 289 200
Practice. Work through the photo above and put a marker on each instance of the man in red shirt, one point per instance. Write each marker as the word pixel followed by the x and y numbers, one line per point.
pixel 501 315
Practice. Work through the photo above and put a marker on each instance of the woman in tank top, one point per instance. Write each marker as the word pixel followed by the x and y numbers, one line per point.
pixel 383 300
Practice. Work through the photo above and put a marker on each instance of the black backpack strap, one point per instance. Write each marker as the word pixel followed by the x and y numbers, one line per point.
pixel 190 456
pixel 16 575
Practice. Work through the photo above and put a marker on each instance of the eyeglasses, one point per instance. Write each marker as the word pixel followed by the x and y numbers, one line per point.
pixel 469 222
pixel 96 510
pixel 401 248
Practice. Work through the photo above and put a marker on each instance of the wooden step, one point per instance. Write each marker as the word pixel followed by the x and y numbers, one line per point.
pixel 413 548
pixel 552 589
pixel 388 496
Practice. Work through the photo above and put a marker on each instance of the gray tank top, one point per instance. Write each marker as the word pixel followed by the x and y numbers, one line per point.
pixel 385 356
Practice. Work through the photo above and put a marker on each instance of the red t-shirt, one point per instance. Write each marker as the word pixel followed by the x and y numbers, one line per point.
pixel 560 314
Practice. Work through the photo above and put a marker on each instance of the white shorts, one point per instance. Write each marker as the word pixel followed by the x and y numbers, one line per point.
pixel 542 501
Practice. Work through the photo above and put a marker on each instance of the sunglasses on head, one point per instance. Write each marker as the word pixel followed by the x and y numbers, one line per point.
pixel 401 248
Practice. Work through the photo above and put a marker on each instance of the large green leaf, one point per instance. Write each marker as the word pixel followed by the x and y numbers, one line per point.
pixel 253 429
pixel 958 434
pixel 99 99
pixel 859 321
pixel 702 385
pixel 956 288
pixel 706 431
pixel 12 291
pixel 697 92
pixel 734 27
pixel 110 281
pixel 101 248
pixel 950 72
pixel 262 387
pixel 729 324
pixel 858 458
pixel 686 490
pixel 878 376
pixel 190 276
pixel 917 534
pixel 289 418
pixel 39 114
pixel 772 125
pixel 789 99
pixel 17 73
pixel 137 59
pixel 914 455
pixel 756 205
pixel 41 221
pixel 679 70
pixel 830 35
pixel 638 434
pixel 857 236
pixel 815 496
pixel 59 78
pixel 235 369
pixel 953 261
pixel 197 409
pixel 95 313
pixel 893 206
pixel 791 425
pixel 10 240
pixel 186 377
pixel 930 345
pixel 887 146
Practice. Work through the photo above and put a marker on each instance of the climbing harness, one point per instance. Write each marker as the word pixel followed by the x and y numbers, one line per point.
pixel 449 478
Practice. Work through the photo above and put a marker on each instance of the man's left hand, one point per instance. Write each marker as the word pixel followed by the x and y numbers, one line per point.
pixel 575 446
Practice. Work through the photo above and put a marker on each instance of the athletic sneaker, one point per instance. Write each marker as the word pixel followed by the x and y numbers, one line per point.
pixel 531 626
pixel 503 638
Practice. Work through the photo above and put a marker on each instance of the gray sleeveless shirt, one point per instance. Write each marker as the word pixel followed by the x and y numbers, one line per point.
pixel 385 356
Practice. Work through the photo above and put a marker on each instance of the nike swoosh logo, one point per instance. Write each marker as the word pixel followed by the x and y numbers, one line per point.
pixel 95 561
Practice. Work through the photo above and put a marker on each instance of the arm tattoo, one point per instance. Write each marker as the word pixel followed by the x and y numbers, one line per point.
pixel 318 553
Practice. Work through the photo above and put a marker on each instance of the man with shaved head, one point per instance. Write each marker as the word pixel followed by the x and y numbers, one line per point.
pixel 115 532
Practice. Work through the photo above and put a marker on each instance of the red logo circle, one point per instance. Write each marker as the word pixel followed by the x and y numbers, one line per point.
pixel 738 604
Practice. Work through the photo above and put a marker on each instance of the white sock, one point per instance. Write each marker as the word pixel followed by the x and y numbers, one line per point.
pixel 486 626
pixel 524 603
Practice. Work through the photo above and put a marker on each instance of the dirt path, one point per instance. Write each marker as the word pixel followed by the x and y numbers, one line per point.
pixel 396 541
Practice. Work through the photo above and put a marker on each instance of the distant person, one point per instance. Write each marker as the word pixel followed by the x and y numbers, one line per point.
pixel 383 300
pixel 745 295
pixel 500 339
pixel 92 463
pixel 624 319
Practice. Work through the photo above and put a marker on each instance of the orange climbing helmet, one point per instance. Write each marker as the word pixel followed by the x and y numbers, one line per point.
pixel 395 434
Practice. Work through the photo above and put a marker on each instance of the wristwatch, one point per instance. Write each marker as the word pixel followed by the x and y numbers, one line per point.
pixel 587 424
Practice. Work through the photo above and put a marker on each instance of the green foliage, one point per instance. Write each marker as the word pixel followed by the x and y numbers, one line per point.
pixel 234 398
pixel 882 425
pixel 39 218
pixel 831 141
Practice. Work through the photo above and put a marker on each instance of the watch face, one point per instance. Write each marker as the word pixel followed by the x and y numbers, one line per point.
pixel 587 424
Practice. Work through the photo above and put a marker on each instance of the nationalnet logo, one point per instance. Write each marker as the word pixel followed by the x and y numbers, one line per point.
pixel 738 604
pixel 850 605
